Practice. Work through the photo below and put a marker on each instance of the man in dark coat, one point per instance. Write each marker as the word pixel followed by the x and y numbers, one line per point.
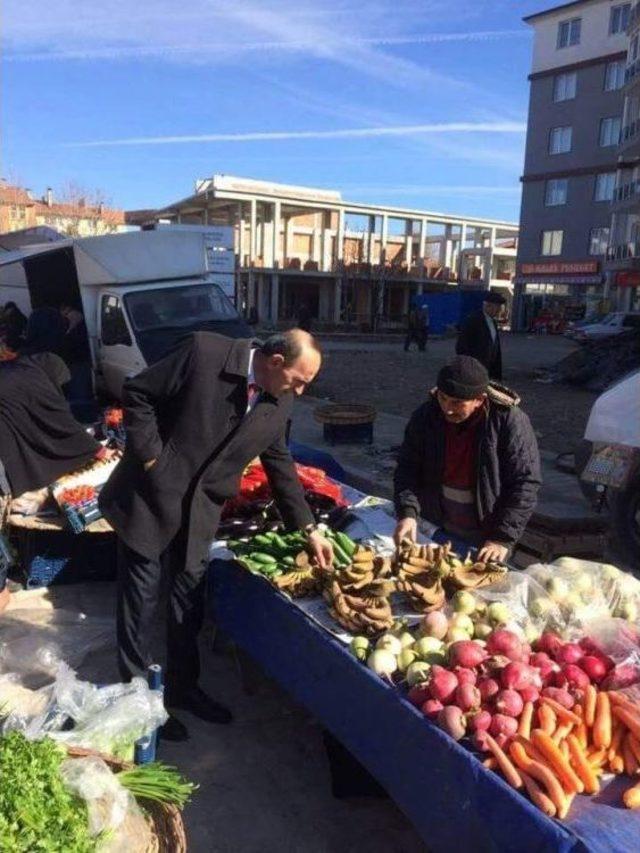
pixel 469 463
pixel 194 422
pixel 39 438
pixel 479 336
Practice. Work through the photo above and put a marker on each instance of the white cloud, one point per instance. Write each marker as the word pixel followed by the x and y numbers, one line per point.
pixel 342 133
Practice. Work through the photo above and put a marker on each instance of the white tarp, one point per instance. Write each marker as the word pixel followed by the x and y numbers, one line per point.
pixel 615 416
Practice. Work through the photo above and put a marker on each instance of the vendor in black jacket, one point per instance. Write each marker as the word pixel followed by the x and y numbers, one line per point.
pixel 479 335
pixel 469 463
pixel 194 422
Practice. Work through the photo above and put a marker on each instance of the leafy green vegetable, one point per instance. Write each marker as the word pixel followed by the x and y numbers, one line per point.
pixel 37 813
pixel 157 781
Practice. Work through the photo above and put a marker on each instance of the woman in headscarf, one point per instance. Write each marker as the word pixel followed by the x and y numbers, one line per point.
pixel 45 332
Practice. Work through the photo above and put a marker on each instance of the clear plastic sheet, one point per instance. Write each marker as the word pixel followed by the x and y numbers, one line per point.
pixel 620 641
pixel 115 819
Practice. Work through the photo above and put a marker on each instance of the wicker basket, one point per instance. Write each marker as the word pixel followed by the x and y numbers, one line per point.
pixel 167 827
pixel 345 414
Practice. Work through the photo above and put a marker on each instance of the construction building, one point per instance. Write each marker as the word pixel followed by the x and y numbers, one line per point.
pixel 347 263
pixel 574 131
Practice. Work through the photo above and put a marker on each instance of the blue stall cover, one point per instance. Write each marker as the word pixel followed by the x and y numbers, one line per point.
pixel 448 309
pixel 454 802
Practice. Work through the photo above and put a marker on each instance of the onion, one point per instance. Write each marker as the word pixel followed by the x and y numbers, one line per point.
pixel 382 662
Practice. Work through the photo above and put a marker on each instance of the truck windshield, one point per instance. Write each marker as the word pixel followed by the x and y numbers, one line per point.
pixel 187 307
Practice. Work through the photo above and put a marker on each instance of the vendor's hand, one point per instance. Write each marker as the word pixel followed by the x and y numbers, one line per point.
pixel 406 528
pixel 149 464
pixel 494 552
pixel 321 548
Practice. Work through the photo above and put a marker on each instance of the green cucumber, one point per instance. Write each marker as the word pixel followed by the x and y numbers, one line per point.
pixel 347 545
pixel 342 558
pixel 289 561
pixel 263 540
pixel 263 559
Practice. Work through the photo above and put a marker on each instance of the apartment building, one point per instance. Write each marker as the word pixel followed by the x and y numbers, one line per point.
pixel 623 259
pixel 574 129
pixel 349 263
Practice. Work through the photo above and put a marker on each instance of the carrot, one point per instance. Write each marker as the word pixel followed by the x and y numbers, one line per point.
pixel 546 719
pixel 508 770
pixel 561 732
pixel 564 749
pixel 542 773
pixel 620 700
pixel 589 704
pixel 597 758
pixel 631 722
pixel 634 745
pixel 562 813
pixel 560 711
pixel 538 797
pixel 582 734
pixel 519 755
pixel 616 765
pixel 630 760
pixel 533 753
pixel 602 722
pixel 570 782
pixel 618 732
pixel 524 725
pixel 631 797
pixel 490 763
pixel 581 765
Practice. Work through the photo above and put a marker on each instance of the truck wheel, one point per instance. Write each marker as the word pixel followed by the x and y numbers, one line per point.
pixel 625 519
pixel 581 456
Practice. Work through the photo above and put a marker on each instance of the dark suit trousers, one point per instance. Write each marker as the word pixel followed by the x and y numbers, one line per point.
pixel 140 583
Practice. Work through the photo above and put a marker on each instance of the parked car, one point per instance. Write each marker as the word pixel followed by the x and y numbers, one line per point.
pixel 576 326
pixel 612 324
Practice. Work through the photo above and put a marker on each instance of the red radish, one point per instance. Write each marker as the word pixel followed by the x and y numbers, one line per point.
pixel 624 675
pixel 503 725
pixel 569 653
pixel 451 720
pixel 559 695
pixel 590 646
pixel 467 697
pixel 465 676
pixel 432 708
pixel 503 642
pixel 517 676
pixel 488 688
pixel 509 702
pixel 529 694
pixel 502 740
pixel 435 624
pixel 466 653
pixel 479 722
pixel 442 684
pixel 549 643
pixel 575 676
pixel 479 740
pixel 419 694
pixel 543 663
pixel 594 667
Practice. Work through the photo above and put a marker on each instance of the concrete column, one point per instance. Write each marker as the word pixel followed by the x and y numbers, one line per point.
pixel 487 258
pixel 340 236
pixel 253 229
pixel 448 246
pixel 408 251
pixel 276 254
pixel 275 298
pixel 251 290
pixel 316 248
pixel 370 237
pixel 205 216
pixel 423 240
pixel 337 300
pixel 240 235
pixel 383 238
pixel 325 241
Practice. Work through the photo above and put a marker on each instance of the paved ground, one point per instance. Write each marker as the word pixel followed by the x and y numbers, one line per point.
pixel 384 376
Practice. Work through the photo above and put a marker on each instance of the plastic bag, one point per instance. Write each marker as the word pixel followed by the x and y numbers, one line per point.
pixel 587 591
pixel 619 641
pixel 115 819
pixel 20 702
pixel 519 603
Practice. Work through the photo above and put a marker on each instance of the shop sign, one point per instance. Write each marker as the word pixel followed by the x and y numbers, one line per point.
pixel 560 268
pixel 628 278
pixel 564 279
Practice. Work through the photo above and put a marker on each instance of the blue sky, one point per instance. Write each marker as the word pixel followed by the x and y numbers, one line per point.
pixel 420 103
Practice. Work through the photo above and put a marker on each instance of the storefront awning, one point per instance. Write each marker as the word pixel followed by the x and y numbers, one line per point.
pixel 558 279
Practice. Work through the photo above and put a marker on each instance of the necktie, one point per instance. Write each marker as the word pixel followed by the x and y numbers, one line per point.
pixel 253 392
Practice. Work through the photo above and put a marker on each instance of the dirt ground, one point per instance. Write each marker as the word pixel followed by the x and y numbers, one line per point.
pixel 384 376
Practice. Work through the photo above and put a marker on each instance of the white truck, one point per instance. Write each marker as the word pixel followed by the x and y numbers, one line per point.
pixel 140 291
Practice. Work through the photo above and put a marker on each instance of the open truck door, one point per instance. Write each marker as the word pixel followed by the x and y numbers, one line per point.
pixel 118 353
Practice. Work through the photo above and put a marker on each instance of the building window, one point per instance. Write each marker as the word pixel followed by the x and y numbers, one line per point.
pixel 560 140
pixel 632 55
pixel 605 185
pixel 610 131
pixel 619 18
pixel 556 192
pixel 564 86
pixel 598 241
pixel 552 242
pixel 614 76
pixel 569 32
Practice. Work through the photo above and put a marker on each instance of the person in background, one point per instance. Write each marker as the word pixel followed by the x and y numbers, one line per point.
pixel 479 336
pixel 304 317
pixel 194 421
pixel 423 316
pixel 415 331
pixel 44 333
pixel 469 463
pixel 76 353
pixel 13 324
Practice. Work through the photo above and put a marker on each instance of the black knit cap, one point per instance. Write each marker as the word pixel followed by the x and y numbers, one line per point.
pixel 494 297
pixel 464 378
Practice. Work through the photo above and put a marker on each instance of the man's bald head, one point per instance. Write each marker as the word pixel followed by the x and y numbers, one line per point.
pixel 288 361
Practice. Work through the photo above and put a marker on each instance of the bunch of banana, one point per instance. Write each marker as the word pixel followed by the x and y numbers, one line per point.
pixel 299 582
pixel 468 574
pixel 421 570
pixel 358 594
